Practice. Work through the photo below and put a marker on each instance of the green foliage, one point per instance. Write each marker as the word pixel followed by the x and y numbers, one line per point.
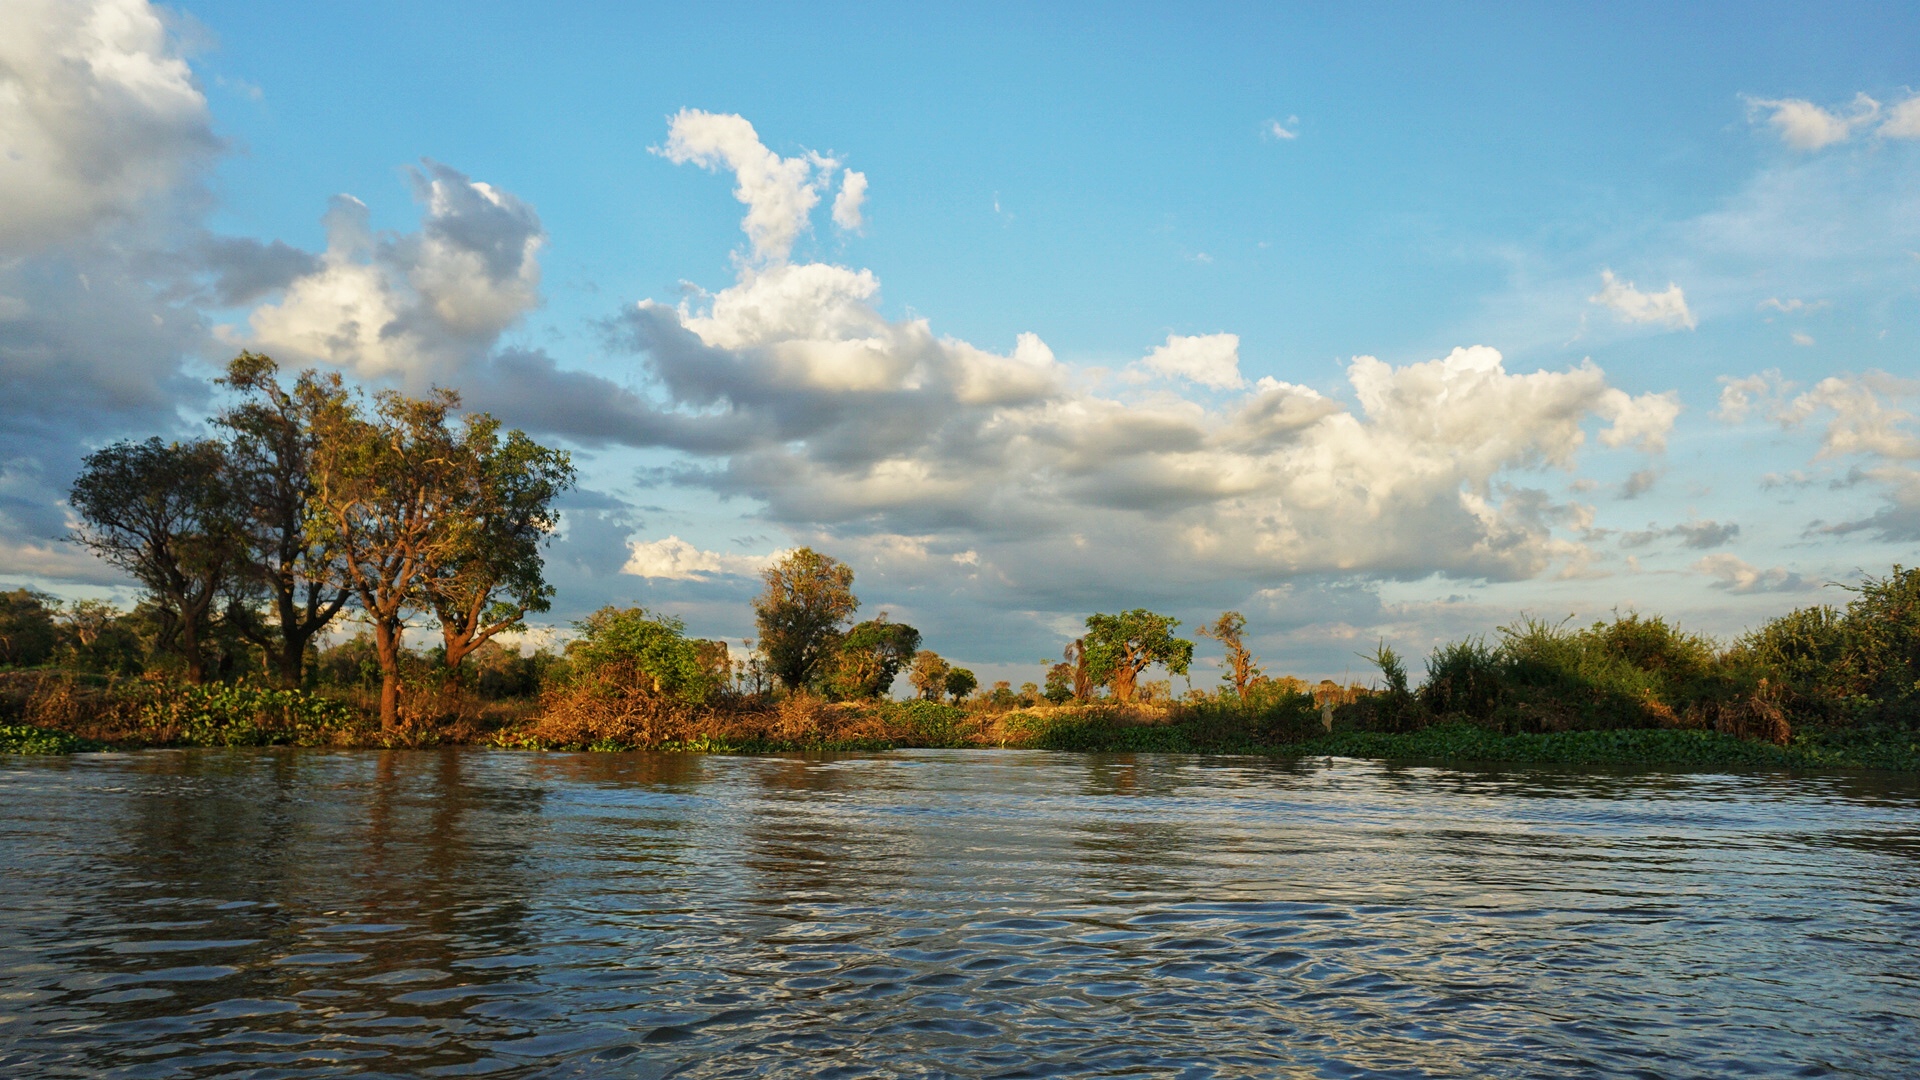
pixel 241 714
pixel 628 643
pixel 1464 679
pixel 808 597
pixel 960 683
pixel 1059 688
pixel 28 636
pixel 1118 648
pixel 27 739
pixel 870 658
pixel 929 674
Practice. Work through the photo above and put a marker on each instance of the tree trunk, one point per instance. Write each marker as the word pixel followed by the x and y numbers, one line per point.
pixel 293 658
pixel 386 643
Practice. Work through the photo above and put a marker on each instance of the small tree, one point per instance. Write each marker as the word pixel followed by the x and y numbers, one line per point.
pixel 1075 656
pixel 1241 669
pixel 28 635
pixel 271 446
pixel 929 674
pixel 1059 689
pixel 871 656
pixel 164 513
pixel 960 683
pixel 1118 648
pixel 808 597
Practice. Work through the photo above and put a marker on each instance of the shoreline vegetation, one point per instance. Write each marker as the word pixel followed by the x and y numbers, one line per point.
pixel 314 510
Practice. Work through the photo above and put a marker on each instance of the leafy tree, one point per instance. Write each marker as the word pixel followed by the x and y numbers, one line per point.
pixel 389 493
pixel 1075 656
pixel 272 443
pixel 960 683
pixel 164 513
pixel 929 674
pixel 1059 689
pixel 1241 669
pixel 808 597
pixel 631 643
pixel 492 576
pixel 871 656
pixel 28 635
pixel 1118 648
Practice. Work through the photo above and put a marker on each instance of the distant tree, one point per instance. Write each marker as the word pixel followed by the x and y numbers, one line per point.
pixel 389 490
pixel 960 683
pixel 492 576
pixel 1118 648
pixel 1030 693
pixel 929 674
pixel 871 656
pixel 84 621
pixel 1075 656
pixel 165 513
pixel 808 598
pixel 271 445
pixel 28 634
pixel 1241 669
pixel 1059 688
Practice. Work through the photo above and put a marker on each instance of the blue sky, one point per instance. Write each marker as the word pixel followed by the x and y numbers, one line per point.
pixel 1395 182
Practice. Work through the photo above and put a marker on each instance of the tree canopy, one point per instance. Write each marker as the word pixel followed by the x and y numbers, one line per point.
pixel 1118 648
pixel 807 599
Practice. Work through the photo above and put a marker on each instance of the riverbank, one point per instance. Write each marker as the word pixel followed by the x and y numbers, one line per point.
pixel 1442 743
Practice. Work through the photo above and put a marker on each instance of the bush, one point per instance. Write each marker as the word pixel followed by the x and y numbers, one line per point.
pixel 1464 678
pixel 241 714
pixel 27 739
pixel 628 643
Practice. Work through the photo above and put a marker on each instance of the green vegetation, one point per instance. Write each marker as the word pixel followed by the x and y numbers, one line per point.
pixel 27 739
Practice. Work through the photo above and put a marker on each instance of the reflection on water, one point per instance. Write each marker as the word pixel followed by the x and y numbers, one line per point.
pixel 301 913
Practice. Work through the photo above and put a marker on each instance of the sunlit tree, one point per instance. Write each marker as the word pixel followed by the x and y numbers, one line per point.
pixel 807 600
pixel 1119 647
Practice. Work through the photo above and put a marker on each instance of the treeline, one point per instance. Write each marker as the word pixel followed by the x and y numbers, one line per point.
pixel 310 502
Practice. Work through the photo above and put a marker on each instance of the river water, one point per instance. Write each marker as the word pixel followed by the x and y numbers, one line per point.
pixel 946 913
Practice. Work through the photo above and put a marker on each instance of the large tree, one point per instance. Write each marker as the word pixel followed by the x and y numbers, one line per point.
pixel 389 489
pixel 272 443
pixel 808 598
pixel 929 674
pixel 494 573
pixel 166 514
pixel 1119 647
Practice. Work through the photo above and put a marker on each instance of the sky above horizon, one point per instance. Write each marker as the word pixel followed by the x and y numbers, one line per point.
pixel 1393 323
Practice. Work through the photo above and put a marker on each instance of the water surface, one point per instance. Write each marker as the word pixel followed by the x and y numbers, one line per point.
pixel 932 913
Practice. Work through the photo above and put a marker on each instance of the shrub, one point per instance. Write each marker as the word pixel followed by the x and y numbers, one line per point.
pixel 628 643
pixel 1463 678
pixel 241 714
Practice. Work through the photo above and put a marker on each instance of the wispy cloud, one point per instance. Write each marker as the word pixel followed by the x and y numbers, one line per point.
pixel 1629 304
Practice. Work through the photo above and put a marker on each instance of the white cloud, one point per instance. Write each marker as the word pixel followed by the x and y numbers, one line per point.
pixel 1863 423
pixel 677 560
pixel 1641 422
pixel 1800 338
pixel 99 118
pixel 1737 575
pixel 1280 131
pixel 847 204
pixel 416 305
pixel 1793 304
pixel 1903 120
pixel 1741 396
pixel 1806 126
pixel 1629 304
pixel 1208 359
pixel 779 193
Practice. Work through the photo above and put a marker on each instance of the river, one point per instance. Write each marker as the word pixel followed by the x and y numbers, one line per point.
pixel 946 913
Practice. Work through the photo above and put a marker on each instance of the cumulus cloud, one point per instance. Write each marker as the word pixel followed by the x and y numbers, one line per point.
pixel 100 121
pixel 1903 120
pixel 1737 575
pixel 779 193
pixel 847 205
pixel 675 559
pixel 1629 304
pixel 414 305
pixel 1208 359
pixel 791 389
